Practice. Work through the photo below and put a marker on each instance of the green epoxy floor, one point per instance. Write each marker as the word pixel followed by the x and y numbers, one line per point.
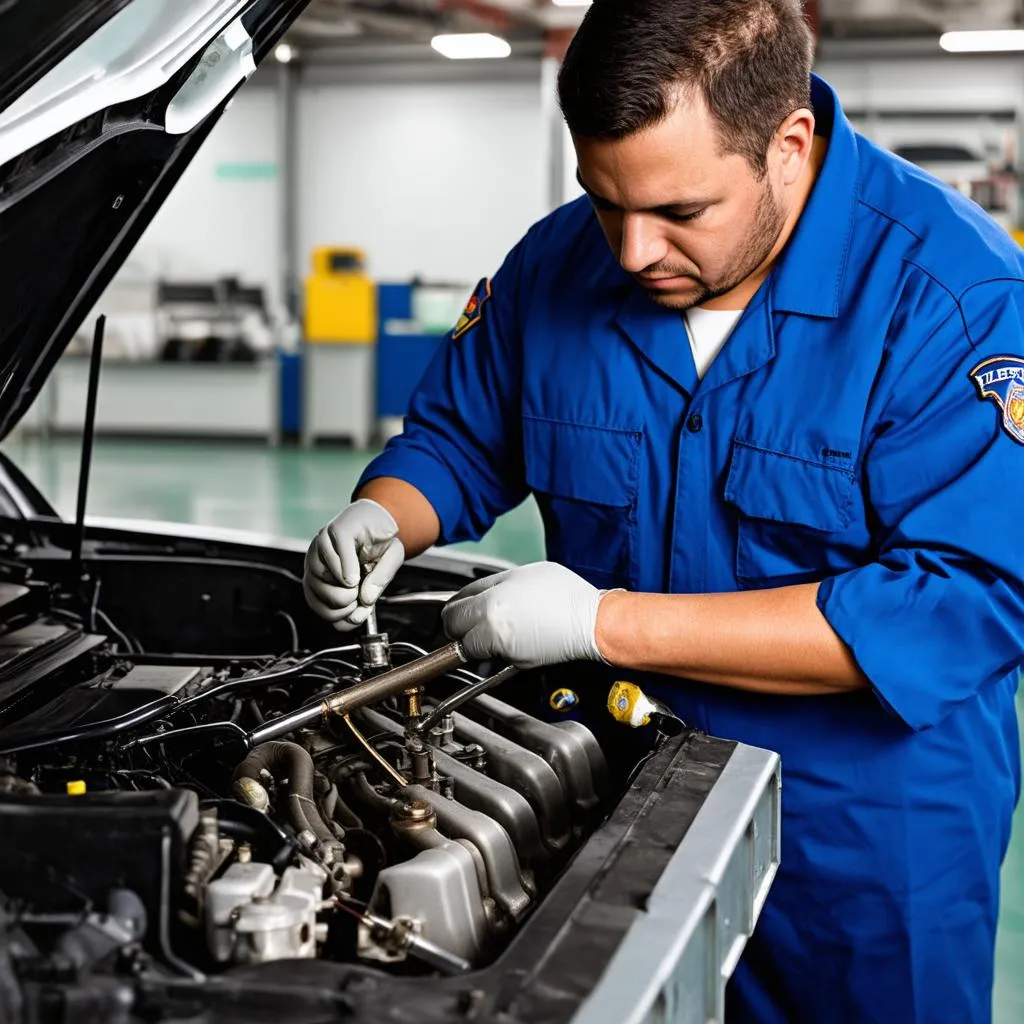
pixel 285 492
pixel 291 493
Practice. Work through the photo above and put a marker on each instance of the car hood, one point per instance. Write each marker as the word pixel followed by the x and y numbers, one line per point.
pixel 103 103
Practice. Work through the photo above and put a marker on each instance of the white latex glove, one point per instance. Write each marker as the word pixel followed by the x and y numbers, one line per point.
pixel 350 562
pixel 541 614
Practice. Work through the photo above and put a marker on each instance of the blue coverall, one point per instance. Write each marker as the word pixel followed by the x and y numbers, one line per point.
pixel 863 427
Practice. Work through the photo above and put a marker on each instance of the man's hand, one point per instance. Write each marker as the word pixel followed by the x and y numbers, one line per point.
pixel 350 562
pixel 541 614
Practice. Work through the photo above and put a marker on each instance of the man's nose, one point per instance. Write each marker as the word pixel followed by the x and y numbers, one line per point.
pixel 643 243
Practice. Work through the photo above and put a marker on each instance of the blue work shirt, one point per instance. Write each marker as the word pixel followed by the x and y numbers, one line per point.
pixel 863 428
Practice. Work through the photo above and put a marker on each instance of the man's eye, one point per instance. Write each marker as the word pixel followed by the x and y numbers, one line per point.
pixel 684 218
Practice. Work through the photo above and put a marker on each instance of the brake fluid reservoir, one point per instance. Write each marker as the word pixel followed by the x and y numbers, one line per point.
pixel 628 704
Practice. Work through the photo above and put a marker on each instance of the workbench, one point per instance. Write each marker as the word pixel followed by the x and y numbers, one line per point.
pixel 143 397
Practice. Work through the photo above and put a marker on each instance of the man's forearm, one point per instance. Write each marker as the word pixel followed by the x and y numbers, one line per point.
pixel 767 641
pixel 418 525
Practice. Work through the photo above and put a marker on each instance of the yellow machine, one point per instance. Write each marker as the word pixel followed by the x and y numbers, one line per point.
pixel 340 351
pixel 1019 237
pixel 341 300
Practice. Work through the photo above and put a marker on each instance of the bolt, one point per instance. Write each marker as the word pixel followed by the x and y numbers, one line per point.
pixel 415 707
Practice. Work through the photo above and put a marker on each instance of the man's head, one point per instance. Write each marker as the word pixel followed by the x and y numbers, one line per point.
pixel 693 134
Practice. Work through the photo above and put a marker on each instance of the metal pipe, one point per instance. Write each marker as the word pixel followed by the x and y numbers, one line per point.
pixel 371 691
pixel 453 703
pixel 371 622
pixel 373 752
pixel 287 152
pixel 398 935
pixel 392 683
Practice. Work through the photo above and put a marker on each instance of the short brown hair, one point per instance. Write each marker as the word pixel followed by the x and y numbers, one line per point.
pixel 750 60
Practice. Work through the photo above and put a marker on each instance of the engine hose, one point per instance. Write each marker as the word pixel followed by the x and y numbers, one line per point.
pixel 288 760
pixel 368 793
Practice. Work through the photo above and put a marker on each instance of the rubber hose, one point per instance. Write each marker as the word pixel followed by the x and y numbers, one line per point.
pixel 388 803
pixel 288 760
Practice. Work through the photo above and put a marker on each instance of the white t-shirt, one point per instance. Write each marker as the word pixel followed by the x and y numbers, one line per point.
pixel 708 331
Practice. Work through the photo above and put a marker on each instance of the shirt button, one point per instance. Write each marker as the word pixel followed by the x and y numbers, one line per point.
pixel 695 424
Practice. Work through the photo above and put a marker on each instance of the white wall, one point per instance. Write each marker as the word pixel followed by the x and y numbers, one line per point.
pixel 438 179
pixel 212 224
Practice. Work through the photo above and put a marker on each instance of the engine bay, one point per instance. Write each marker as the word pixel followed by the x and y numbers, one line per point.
pixel 185 810
pixel 403 830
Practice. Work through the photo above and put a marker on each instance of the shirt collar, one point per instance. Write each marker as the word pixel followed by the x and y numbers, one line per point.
pixel 808 278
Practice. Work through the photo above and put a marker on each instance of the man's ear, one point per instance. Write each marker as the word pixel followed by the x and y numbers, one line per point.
pixel 793 143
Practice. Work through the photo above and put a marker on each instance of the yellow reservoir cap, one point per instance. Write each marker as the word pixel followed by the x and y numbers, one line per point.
pixel 628 704
pixel 563 700
pixel 76 787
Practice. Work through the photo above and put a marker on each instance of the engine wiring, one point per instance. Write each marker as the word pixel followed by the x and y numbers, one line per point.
pixel 98 730
pixel 95 613
pixel 256 679
pixel 190 730
pixel 292 626
pixel 131 773
pixel 166 706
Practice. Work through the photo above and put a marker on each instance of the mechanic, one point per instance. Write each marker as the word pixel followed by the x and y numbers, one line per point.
pixel 766 383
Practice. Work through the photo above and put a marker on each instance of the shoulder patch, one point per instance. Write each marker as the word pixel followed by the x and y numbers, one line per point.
pixel 1001 380
pixel 473 312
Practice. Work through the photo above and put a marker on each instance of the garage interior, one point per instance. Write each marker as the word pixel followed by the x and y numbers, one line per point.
pixel 264 337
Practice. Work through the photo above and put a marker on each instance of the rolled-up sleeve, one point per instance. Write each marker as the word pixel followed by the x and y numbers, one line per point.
pixel 939 613
pixel 461 446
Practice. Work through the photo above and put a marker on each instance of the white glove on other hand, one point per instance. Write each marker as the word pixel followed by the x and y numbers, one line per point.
pixel 350 562
pixel 540 614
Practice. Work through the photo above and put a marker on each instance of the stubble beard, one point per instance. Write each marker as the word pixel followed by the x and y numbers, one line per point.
pixel 769 221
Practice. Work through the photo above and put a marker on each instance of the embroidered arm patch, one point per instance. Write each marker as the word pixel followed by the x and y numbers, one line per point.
pixel 1001 380
pixel 473 312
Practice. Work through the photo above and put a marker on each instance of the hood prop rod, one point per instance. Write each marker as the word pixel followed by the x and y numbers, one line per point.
pixel 87 438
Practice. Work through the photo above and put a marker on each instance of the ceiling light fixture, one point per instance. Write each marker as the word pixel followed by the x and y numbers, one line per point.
pixel 990 41
pixel 572 3
pixel 471 46
pixel 284 53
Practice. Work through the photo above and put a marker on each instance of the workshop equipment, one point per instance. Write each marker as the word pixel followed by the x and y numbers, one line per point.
pixel 340 331
pixel 209 367
pixel 405 348
pixel 341 299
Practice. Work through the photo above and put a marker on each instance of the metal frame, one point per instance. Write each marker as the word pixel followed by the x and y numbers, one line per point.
pixel 675 960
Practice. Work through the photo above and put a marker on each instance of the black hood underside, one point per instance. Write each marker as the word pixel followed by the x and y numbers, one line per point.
pixel 73 207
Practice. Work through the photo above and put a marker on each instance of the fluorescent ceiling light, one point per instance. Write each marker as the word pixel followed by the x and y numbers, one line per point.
pixel 572 3
pixel 284 53
pixel 471 46
pixel 992 41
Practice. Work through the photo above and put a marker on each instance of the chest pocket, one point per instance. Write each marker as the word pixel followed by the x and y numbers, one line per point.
pixel 792 514
pixel 585 480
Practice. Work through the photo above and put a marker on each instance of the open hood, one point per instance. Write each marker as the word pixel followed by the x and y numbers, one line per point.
pixel 103 103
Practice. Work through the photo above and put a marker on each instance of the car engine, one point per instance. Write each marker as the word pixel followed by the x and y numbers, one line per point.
pixel 369 803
